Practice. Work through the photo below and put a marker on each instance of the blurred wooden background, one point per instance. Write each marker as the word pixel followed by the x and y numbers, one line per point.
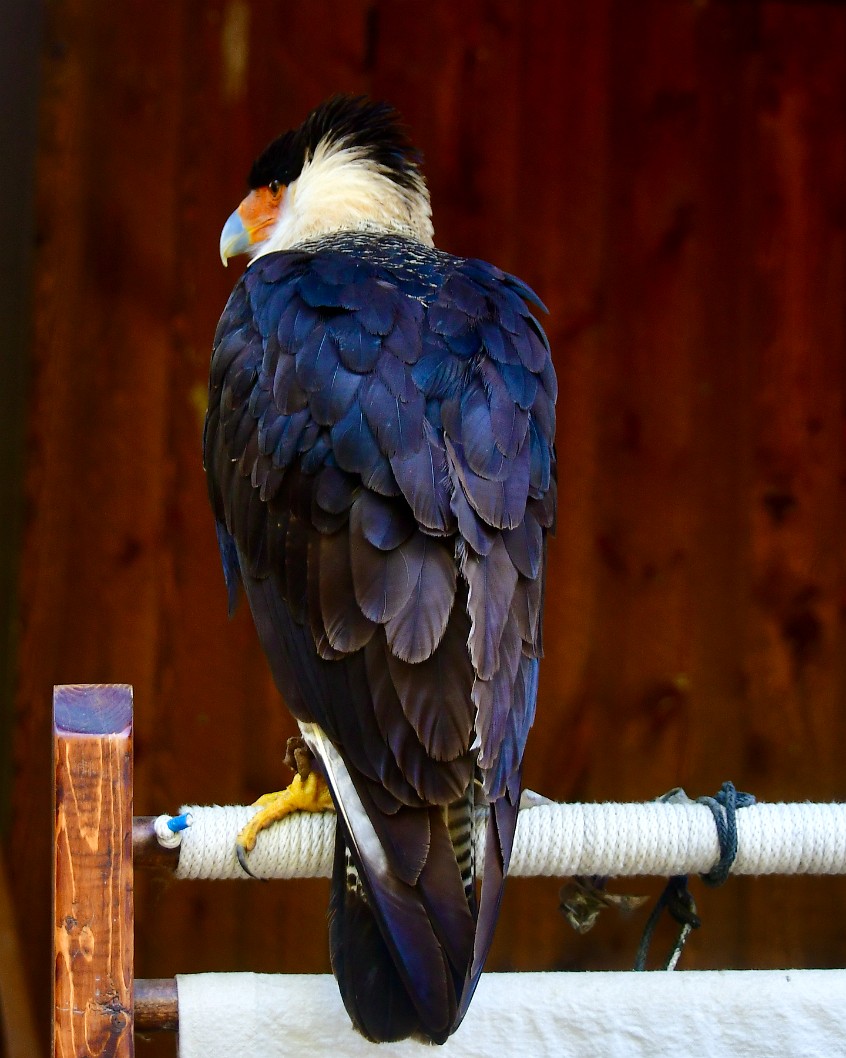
pixel 670 176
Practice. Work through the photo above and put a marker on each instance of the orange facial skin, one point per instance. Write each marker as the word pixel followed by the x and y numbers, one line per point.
pixel 259 211
pixel 252 221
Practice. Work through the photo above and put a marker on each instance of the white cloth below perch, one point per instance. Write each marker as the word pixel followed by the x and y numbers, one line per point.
pixel 555 840
pixel 690 1014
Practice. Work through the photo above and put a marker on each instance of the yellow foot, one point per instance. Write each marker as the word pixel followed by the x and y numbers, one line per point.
pixel 309 794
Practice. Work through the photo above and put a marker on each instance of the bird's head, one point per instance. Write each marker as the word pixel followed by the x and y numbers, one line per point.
pixel 349 166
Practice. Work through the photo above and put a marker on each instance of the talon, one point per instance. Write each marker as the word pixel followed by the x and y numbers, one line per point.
pixel 241 853
pixel 305 794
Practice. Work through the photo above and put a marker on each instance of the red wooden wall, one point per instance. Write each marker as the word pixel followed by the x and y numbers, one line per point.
pixel 670 177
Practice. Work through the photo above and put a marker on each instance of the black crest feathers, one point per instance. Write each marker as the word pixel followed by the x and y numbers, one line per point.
pixel 354 121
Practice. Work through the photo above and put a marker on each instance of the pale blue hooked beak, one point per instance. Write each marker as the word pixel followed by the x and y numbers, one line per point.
pixel 234 239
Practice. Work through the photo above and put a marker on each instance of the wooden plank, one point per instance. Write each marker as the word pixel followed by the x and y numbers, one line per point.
pixel 92 920
pixel 16 1013
pixel 793 328
pixel 19 73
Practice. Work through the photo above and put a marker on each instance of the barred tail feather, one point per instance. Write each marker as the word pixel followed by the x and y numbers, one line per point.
pixel 499 840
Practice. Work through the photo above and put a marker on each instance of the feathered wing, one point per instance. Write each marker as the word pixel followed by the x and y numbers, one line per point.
pixel 380 462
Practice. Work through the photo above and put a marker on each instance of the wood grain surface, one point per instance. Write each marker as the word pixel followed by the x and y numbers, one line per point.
pixel 93 950
pixel 670 177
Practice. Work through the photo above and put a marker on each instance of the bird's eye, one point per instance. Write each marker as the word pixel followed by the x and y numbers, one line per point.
pixel 274 187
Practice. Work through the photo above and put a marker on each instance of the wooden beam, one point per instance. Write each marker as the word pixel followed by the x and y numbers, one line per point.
pixel 93 928
pixel 156 1005
pixel 146 848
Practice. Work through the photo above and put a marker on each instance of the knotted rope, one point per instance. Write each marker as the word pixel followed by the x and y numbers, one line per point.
pixel 676 897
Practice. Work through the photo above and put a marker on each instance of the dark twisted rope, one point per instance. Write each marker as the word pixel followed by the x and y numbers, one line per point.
pixel 676 897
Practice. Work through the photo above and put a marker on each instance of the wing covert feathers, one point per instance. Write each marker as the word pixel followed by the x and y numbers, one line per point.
pixel 380 461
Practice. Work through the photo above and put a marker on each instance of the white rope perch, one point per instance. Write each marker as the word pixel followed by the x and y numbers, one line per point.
pixel 553 840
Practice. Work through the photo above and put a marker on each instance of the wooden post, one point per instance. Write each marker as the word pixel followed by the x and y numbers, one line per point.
pixel 93 928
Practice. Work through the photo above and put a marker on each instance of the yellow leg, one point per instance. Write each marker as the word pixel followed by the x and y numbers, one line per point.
pixel 308 792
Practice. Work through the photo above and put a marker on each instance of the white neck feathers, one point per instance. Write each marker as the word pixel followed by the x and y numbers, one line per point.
pixel 341 189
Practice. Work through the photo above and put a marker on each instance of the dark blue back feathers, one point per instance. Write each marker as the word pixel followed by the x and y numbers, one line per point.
pixel 379 451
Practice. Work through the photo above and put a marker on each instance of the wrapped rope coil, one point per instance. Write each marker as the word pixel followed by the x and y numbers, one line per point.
pixel 554 840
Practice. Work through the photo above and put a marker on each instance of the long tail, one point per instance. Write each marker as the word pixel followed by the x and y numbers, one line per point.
pixel 401 927
pixel 405 944
pixel 376 997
